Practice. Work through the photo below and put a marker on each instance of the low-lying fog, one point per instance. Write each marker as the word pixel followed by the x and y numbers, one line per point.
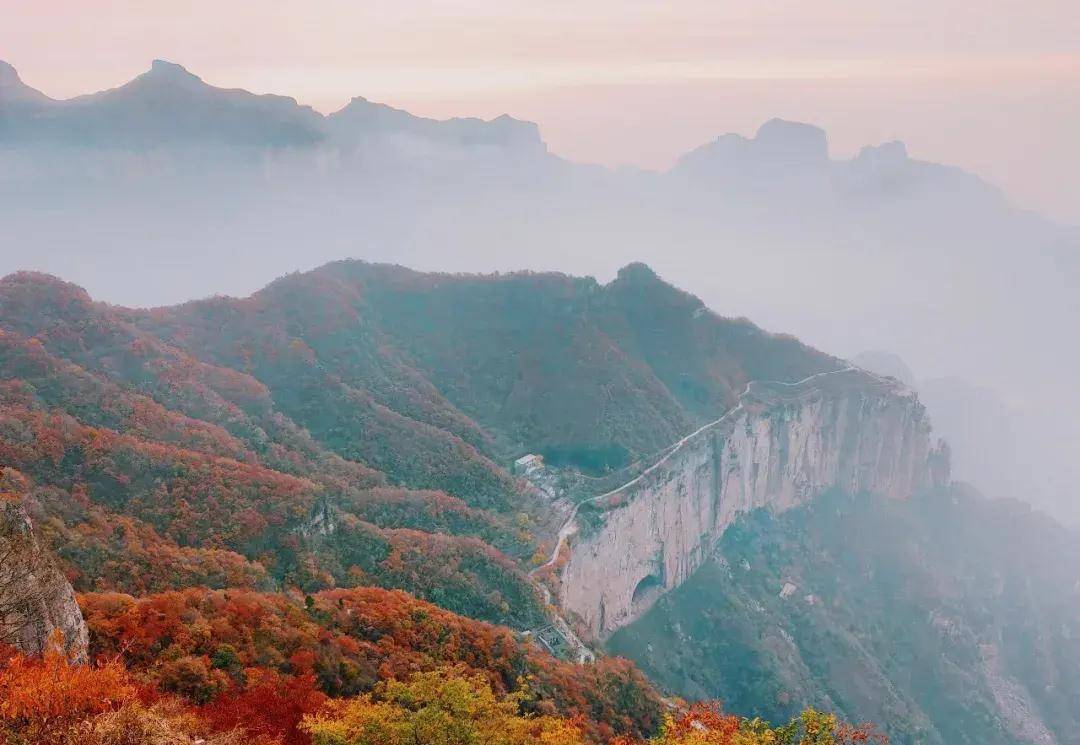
pixel 882 252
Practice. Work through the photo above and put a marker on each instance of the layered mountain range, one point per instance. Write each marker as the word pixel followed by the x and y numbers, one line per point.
pixel 185 190
pixel 744 516
pixel 169 107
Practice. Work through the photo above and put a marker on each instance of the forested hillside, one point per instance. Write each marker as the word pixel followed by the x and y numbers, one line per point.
pixel 237 486
pixel 533 360
pixel 347 426
pixel 292 515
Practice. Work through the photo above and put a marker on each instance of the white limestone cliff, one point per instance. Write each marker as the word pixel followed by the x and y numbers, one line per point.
pixel 781 446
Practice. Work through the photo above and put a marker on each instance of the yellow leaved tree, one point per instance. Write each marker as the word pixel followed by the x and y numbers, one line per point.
pixel 443 707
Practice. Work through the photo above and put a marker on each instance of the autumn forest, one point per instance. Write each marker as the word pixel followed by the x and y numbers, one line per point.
pixel 291 519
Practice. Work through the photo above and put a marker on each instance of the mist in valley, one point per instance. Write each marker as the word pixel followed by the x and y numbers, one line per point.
pixel 610 373
pixel 880 252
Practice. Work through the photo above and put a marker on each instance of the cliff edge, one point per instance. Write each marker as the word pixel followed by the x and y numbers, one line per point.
pixel 782 445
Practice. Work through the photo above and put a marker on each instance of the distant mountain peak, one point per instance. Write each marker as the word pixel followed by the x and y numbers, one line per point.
pixel 8 74
pixel 790 139
pixel 359 106
pixel 12 88
pixel 361 118
pixel 887 153
pixel 164 67
pixel 169 73
pixel 881 362
pixel 637 271
pixel 778 146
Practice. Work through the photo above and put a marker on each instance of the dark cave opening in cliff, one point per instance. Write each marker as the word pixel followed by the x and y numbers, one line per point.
pixel 646 590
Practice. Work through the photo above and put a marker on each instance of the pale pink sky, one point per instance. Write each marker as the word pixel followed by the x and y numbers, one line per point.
pixel 990 85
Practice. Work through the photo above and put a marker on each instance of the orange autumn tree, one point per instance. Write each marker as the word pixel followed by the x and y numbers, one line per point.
pixel 442 707
pixel 49 701
pixel 41 698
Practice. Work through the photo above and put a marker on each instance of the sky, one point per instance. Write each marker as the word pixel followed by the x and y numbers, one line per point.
pixel 990 85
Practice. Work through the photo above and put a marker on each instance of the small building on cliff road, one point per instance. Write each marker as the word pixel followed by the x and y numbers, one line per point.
pixel 527 464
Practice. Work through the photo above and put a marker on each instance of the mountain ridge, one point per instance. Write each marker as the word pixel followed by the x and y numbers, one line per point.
pixel 283 462
pixel 14 90
pixel 778 142
pixel 346 437
pixel 109 116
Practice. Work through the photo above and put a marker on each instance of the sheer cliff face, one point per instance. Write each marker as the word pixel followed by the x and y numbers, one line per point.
pixel 36 600
pixel 781 446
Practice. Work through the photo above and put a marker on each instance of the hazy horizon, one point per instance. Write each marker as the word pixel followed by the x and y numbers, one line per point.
pixel 635 84
pixel 887 251
pixel 612 373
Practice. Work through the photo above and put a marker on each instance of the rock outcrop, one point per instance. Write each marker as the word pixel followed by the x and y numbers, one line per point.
pixel 376 124
pixel 781 446
pixel 779 150
pixel 37 603
pixel 167 106
pixel 14 91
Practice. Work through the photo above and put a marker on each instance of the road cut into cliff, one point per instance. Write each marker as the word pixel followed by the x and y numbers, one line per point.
pixel 782 445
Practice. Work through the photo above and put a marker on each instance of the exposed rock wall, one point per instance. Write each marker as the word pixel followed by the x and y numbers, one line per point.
pixel 36 600
pixel 781 446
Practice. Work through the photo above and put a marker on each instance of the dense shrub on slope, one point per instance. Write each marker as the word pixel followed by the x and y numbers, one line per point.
pixel 251 440
pixel 339 428
pixel 149 469
pixel 51 702
pixel 189 496
pixel 554 360
pixel 99 549
pixel 396 368
pixel 201 643
pixel 540 360
pixel 332 375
